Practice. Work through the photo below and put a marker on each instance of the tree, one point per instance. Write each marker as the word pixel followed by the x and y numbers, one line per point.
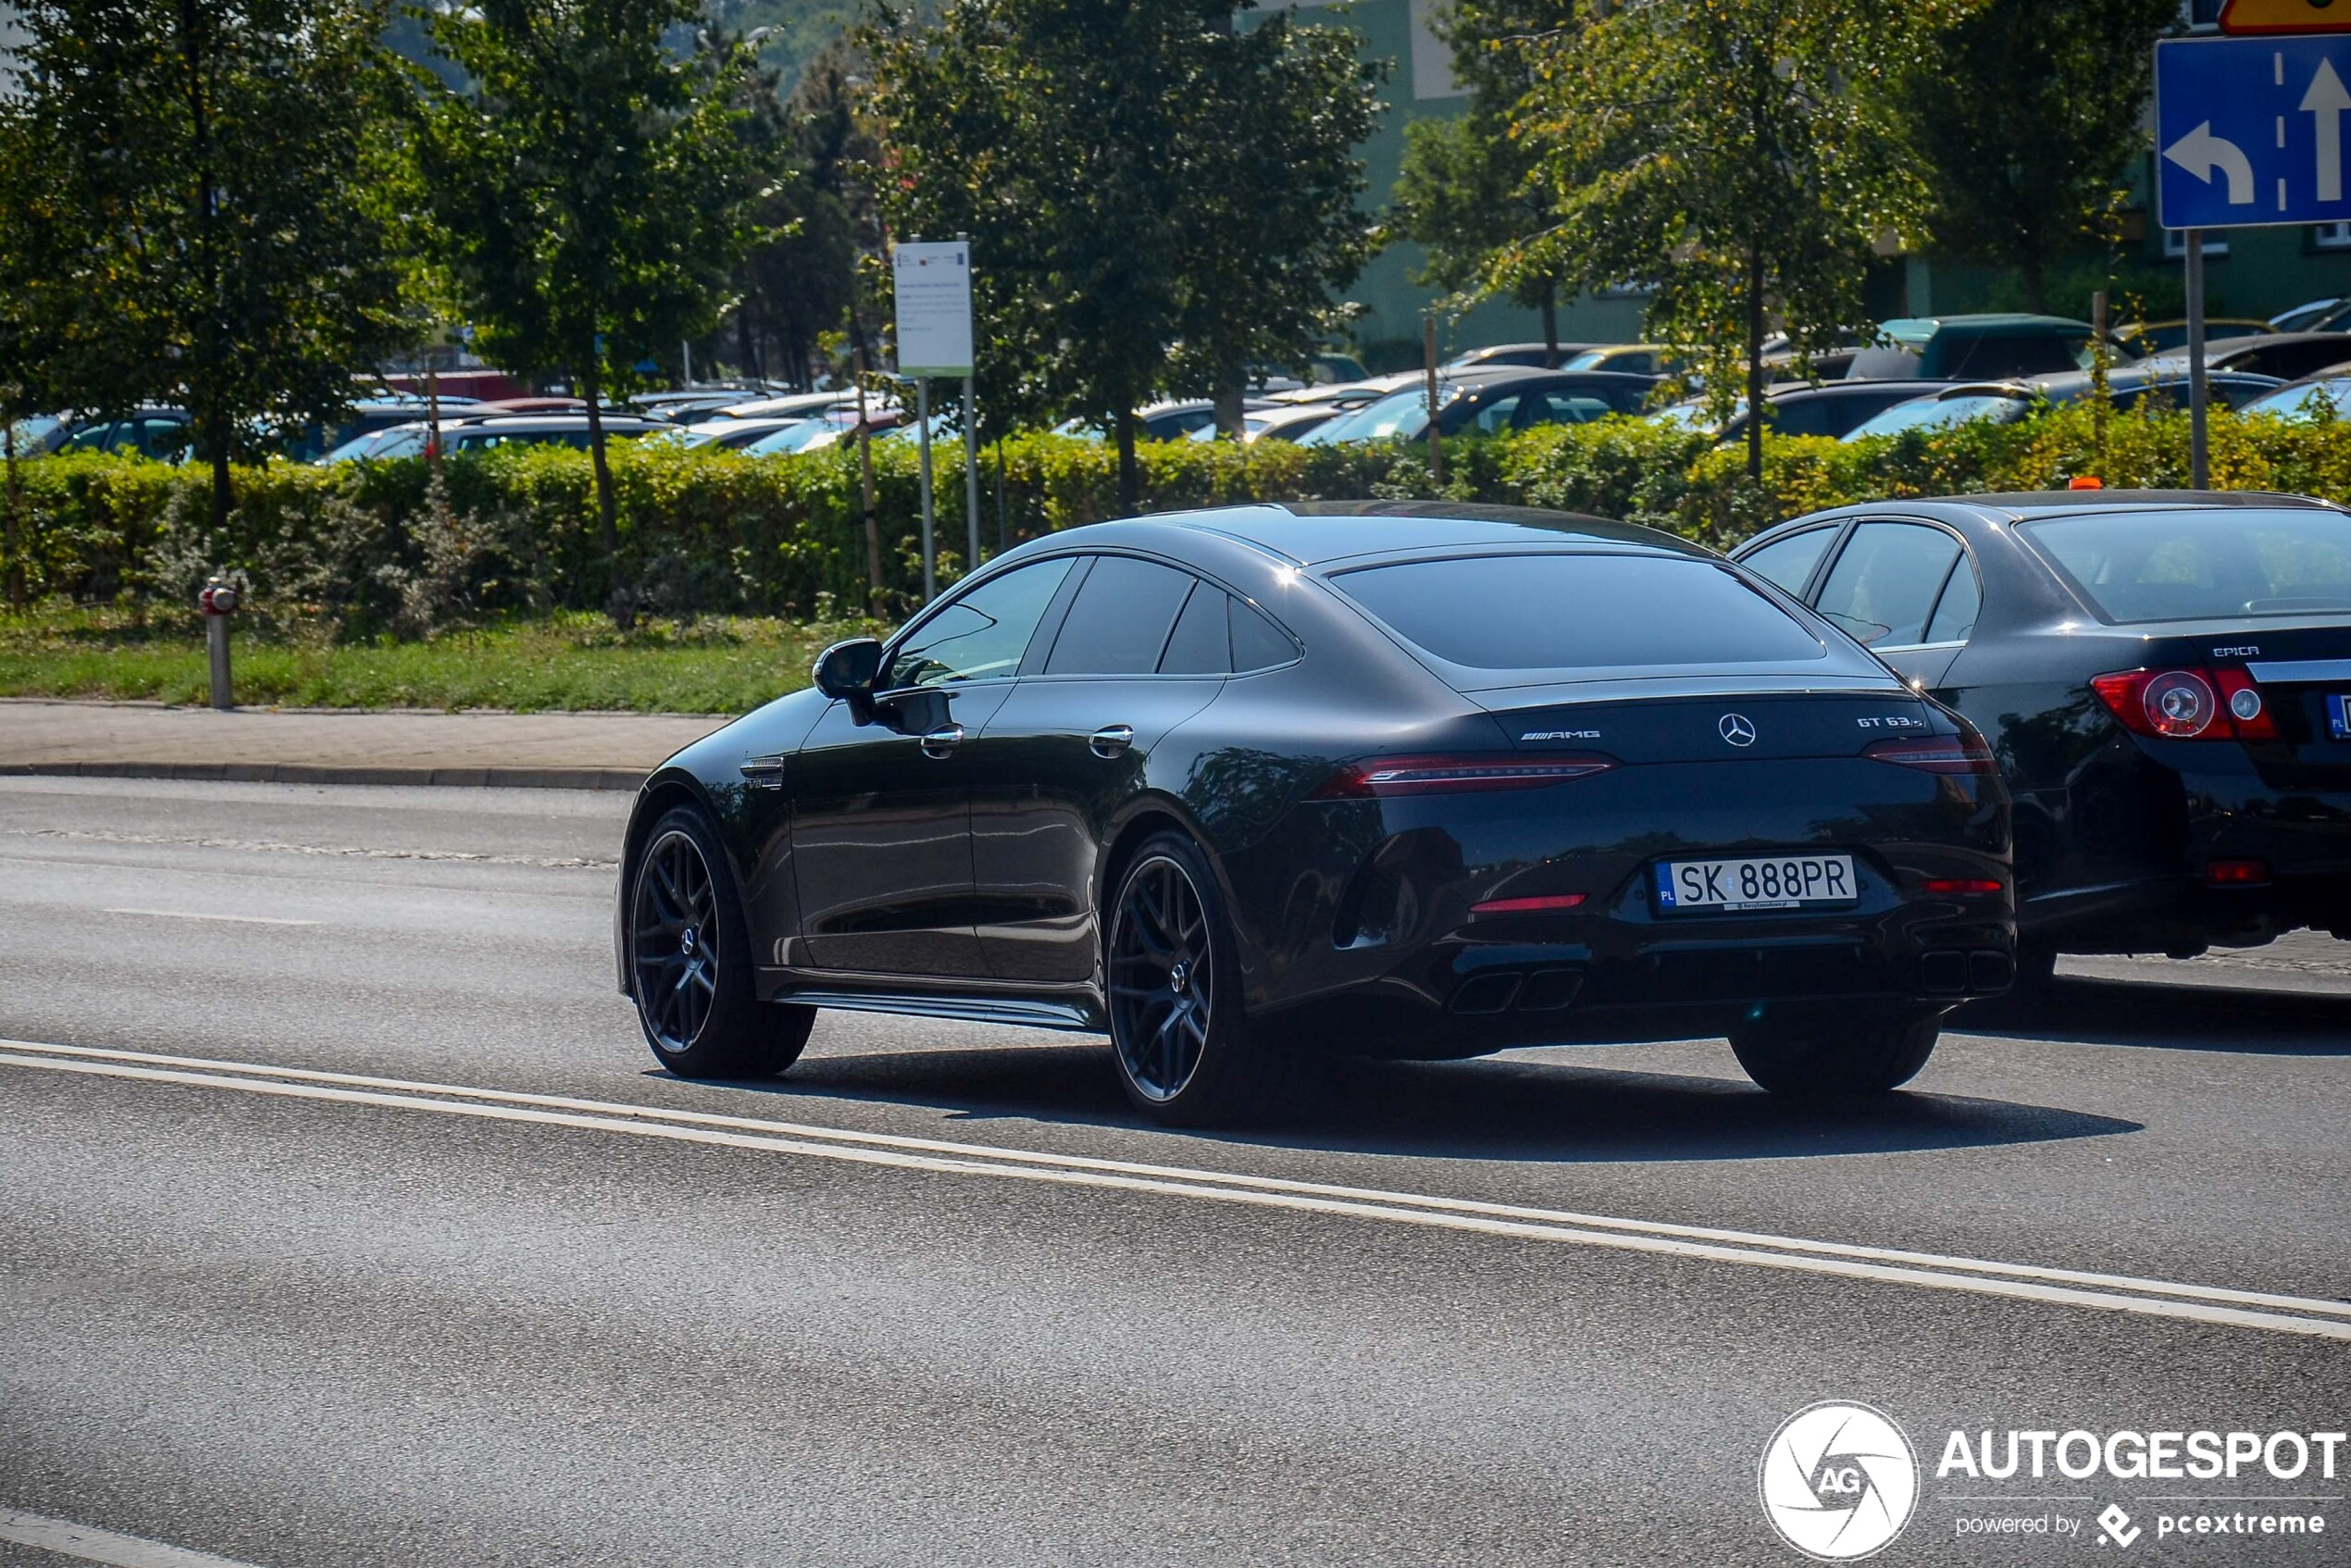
pixel 590 191
pixel 209 215
pixel 1738 156
pixel 802 282
pixel 2028 116
pixel 1155 199
pixel 1468 190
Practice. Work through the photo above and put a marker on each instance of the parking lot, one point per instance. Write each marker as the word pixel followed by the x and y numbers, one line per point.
pixel 405 1255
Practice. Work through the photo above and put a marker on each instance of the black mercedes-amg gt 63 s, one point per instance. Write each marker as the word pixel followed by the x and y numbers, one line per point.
pixel 1240 785
pixel 2163 675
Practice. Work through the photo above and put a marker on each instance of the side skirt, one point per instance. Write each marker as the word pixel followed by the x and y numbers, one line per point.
pixel 1082 1014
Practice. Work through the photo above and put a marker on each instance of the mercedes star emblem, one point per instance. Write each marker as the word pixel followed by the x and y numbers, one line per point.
pixel 1736 730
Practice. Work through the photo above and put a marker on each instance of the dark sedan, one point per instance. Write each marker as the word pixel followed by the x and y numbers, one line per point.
pixel 1239 785
pixel 2163 677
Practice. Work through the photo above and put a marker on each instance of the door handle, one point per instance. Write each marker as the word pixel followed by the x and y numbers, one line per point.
pixel 1111 739
pixel 765 773
pixel 940 743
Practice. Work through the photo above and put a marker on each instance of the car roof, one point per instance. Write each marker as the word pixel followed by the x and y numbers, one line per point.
pixel 1988 321
pixel 1318 533
pixel 2021 506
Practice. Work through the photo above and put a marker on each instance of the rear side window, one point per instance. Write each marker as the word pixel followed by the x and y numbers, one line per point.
pixel 1258 643
pixel 1119 622
pixel 1583 610
pixel 1201 645
pixel 2195 565
pixel 1787 562
pixel 1885 583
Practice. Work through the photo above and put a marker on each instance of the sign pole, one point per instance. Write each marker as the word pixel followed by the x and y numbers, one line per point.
pixel 922 436
pixel 2199 465
pixel 971 474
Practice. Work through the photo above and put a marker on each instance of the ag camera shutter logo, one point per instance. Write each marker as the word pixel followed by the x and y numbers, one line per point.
pixel 1838 1481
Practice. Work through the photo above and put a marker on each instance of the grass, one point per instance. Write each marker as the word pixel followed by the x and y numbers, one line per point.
pixel 567 661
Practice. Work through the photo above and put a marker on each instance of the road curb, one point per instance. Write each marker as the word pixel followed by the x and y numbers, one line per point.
pixel 312 773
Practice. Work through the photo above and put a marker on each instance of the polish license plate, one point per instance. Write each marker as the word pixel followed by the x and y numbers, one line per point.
pixel 1790 881
pixel 2339 715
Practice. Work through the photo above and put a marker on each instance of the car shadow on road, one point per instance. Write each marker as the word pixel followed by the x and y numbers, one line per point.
pixel 1502 1109
pixel 2170 1017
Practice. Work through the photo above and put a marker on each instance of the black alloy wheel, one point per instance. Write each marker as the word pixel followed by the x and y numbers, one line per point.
pixel 1186 1052
pixel 689 963
pixel 1162 979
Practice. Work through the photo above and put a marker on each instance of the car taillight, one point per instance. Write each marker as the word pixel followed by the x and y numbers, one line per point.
pixel 1965 887
pixel 2187 704
pixel 1378 778
pixel 1547 904
pixel 2243 699
pixel 1937 753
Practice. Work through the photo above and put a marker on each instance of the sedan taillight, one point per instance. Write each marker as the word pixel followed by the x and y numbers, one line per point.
pixel 1379 777
pixel 1958 755
pixel 2187 704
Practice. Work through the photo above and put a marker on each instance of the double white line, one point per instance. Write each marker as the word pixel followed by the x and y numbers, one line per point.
pixel 2074 1288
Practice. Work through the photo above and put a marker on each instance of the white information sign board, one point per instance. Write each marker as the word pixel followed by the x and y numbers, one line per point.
pixel 934 287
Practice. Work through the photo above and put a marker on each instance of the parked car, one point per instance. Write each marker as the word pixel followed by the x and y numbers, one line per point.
pixel 2008 403
pixel 1161 421
pixel 369 417
pixel 1489 403
pixel 1401 779
pixel 1633 359
pixel 2287 355
pixel 164 434
pixel 1975 348
pixel 1351 394
pixel 790 405
pixel 2163 675
pixel 482 432
pixel 1832 408
pixel 2145 338
pixel 2323 396
pixel 2318 316
pixel 730 435
pixel 532 405
pixel 828 429
pixel 1278 422
pixel 1535 356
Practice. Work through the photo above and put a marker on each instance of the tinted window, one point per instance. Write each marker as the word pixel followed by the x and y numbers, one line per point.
pixel 1200 644
pixel 2179 566
pixel 1788 562
pixel 1579 612
pixel 1980 359
pixel 1567 408
pixel 1119 621
pixel 1886 581
pixel 1258 643
pixel 1496 415
pixel 1955 614
pixel 981 636
pixel 1806 417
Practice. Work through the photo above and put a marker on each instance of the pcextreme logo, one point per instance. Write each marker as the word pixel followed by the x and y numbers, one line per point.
pixel 1838 1481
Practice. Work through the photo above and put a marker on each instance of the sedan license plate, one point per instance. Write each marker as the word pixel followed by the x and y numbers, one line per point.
pixel 2339 715
pixel 1792 881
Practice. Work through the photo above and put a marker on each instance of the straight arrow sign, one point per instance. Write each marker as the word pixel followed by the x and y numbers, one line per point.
pixel 2200 153
pixel 2326 101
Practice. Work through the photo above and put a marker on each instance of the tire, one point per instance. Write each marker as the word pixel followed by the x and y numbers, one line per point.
pixel 1826 1057
pixel 2035 967
pixel 690 968
pixel 1185 1052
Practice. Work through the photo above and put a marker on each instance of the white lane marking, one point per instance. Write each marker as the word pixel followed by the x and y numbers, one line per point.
pixel 236 919
pixel 2293 1315
pixel 91 1545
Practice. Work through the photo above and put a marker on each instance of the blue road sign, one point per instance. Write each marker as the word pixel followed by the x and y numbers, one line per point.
pixel 2248 132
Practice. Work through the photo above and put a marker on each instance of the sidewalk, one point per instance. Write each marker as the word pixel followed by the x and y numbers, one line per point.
pixel 565 751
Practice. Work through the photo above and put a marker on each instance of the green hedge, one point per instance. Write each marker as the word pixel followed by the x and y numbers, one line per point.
pixel 375 549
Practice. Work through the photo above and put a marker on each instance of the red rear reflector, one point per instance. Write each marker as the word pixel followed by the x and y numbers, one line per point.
pixel 1527 906
pixel 1383 777
pixel 1937 753
pixel 1980 887
pixel 2237 873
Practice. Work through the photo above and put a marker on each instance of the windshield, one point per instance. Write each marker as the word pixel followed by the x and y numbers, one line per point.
pixel 2223 563
pixel 1402 414
pixel 400 441
pixel 1940 414
pixel 1583 610
pixel 2330 399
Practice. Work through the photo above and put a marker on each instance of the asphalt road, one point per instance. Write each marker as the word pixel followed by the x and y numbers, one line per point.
pixel 916 1302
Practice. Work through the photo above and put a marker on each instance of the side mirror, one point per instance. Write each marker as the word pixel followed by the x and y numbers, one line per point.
pixel 846 672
